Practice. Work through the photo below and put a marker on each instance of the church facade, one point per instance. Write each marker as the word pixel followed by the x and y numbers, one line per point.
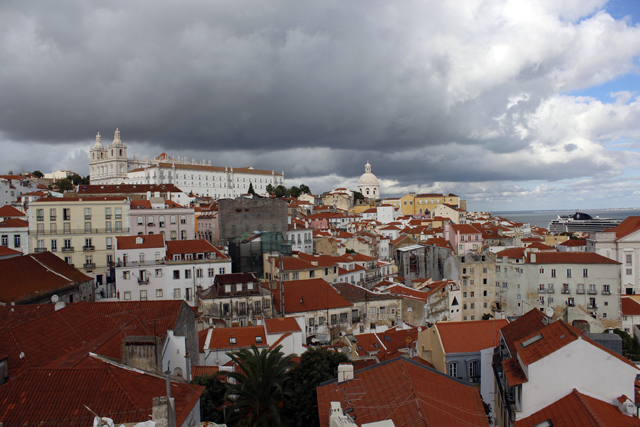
pixel 368 184
pixel 110 165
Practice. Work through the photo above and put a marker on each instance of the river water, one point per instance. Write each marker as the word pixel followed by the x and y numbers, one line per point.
pixel 542 218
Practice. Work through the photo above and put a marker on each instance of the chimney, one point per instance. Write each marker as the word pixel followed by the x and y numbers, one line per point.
pixel 345 372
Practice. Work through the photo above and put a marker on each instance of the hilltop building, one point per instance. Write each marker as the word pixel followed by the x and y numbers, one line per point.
pixel 368 184
pixel 111 165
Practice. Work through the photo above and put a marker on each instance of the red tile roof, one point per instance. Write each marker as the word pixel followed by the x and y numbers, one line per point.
pixel 13 223
pixel 140 204
pixel 309 295
pixel 147 242
pixel 630 307
pixel 28 277
pixel 201 371
pixel 626 227
pixel 579 410
pixel 528 324
pixel 515 253
pixel 15 315
pixel 57 397
pixel 570 258
pixel 4 251
pixel 387 345
pixel 245 336
pixel 408 393
pixel 8 211
pixel 281 325
pixel 355 293
pixel 191 247
pixel 573 243
pixel 513 371
pixel 464 229
pixel 471 336
pixel 128 188
pixel 541 246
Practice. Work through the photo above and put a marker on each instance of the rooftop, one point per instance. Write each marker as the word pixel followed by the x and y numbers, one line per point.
pixel 470 336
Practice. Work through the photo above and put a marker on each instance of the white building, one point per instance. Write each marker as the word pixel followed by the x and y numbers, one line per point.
pixel 368 184
pixel 111 165
pixel 301 239
pixel 14 229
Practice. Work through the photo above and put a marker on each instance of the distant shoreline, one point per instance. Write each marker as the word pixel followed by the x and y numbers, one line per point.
pixel 564 210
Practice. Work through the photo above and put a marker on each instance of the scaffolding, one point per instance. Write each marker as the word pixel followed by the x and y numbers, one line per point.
pixel 247 251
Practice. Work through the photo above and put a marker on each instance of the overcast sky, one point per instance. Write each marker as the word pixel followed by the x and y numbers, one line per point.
pixel 510 104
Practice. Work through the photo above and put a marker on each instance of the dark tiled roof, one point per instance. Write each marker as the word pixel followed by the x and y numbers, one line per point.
pixel 309 295
pixel 408 393
pixel 355 293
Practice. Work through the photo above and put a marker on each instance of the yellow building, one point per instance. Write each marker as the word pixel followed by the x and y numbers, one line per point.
pixel 415 204
pixel 80 230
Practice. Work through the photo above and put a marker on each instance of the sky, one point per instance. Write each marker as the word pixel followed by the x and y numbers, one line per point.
pixel 511 104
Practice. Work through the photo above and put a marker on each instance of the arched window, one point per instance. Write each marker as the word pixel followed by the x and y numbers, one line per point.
pixel 177 372
pixel 121 151
pixel 183 235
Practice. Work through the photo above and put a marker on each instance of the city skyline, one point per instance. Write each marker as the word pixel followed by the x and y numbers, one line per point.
pixel 511 105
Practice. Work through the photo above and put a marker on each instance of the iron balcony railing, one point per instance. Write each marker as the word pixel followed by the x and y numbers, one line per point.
pixel 68 249
pixel 89 265
pixel 124 230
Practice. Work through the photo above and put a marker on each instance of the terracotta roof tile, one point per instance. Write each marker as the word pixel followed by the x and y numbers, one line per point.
pixel 56 397
pixel 355 293
pixel 127 188
pixel 626 227
pixel 281 325
pixel 513 371
pixel 515 253
pixel 8 211
pixel 244 337
pixel 528 324
pixel 630 307
pixel 147 241
pixel 570 258
pixel 471 336
pixel 408 393
pixel 201 371
pixel 191 247
pixel 579 410
pixel 309 295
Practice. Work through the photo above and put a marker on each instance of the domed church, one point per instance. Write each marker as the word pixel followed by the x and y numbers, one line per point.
pixel 368 184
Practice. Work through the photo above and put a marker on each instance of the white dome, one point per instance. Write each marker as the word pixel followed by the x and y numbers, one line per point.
pixel 367 178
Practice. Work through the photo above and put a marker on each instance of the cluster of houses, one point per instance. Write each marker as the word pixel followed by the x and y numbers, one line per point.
pixel 468 317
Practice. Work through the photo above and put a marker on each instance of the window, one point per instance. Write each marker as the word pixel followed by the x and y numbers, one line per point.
pixel 187 294
pixel 484 293
pixel 472 294
pixel 372 311
pixel 473 305
pixel 592 288
pixel 266 304
pixel 484 269
pixel 118 214
pixel 54 245
pixel 199 273
pixel 66 214
pixel 5 240
pixel 16 240
pixel 221 270
pixel 118 226
pixel 183 235
pixel 158 293
pixel 629 258
pixel 107 227
pixel 211 272
pixel 541 270
pixel 294 276
pixel 87 213
pixel 143 295
pixel 541 287
pixel 541 300
pixel 474 371
pixel 471 270
pixel 140 220
pixel 127 295
pixel 183 219
pixel 40 214
pixel 107 213
pixel 629 271
pixel 606 289
pixel 580 288
pixel 453 369
pixel 585 272
pixel 40 229
pixel 553 272
pixel 176 293
pixel 174 235
pixel 497 269
pixel 334 319
pixel 187 273
pixel 52 214
pixel 568 272
pixel 176 274
pixel 173 219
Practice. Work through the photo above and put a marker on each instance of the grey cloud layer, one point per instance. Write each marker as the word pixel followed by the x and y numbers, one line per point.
pixel 427 91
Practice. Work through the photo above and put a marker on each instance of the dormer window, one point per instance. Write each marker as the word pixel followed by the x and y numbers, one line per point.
pixel 139 240
pixel 233 340
pixel 258 340
pixel 188 256
pixel 176 257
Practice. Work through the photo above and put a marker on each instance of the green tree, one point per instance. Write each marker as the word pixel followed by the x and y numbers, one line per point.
pixel 304 189
pixel 358 195
pixel 630 346
pixel 212 400
pixel 281 191
pixel 316 366
pixel 294 191
pixel 37 174
pixel 350 251
pixel 270 189
pixel 64 184
pixel 261 385
pixel 251 190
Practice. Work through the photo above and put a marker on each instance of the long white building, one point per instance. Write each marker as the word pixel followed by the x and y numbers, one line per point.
pixel 111 165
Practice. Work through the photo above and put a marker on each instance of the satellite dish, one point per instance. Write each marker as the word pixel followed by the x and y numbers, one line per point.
pixel 54 299
pixel 60 305
pixel 419 328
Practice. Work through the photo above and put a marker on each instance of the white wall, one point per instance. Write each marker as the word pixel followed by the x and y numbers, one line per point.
pixel 173 354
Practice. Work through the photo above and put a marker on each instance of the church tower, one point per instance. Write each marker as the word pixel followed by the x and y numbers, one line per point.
pixel 97 160
pixel 108 165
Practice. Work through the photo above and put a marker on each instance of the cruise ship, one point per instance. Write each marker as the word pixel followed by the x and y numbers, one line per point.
pixel 581 221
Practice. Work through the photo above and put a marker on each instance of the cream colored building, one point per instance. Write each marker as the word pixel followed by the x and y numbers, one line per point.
pixel 416 204
pixel 80 230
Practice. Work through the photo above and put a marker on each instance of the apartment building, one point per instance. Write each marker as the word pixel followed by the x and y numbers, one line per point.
pixel 571 285
pixel 476 274
pixel 160 216
pixel 80 230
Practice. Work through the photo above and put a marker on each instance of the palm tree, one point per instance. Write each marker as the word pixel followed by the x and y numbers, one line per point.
pixel 260 385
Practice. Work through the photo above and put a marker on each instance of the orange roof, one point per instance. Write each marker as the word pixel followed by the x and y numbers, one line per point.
pixel 515 253
pixel 309 295
pixel 127 188
pixel 630 307
pixel 471 336
pixel 406 392
pixel 80 199
pixel 4 251
pixel 245 336
pixel 626 227
pixel 281 325
pixel 541 246
pixel 513 371
pixel 125 394
pixel 140 204
pixel 191 247
pixel 579 410
pixel 464 229
pixel 13 223
pixel 10 211
pixel 146 242
pixel 570 258
pixel 525 325
pixel 573 243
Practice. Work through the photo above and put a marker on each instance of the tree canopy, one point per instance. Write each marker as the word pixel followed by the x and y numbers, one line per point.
pixel 37 174
pixel 212 400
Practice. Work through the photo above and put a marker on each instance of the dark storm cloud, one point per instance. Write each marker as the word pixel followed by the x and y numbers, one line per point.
pixel 426 91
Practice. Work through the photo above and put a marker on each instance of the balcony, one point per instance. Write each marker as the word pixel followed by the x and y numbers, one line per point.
pixel 107 217
pixel 606 292
pixel 88 248
pixel 566 291
pixel 67 249
pixel 40 218
pixel 592 307
pixel 151 224
pixel 89 265
pixel 550 291
pixel 143 280
pixel 542 291
pixel 355 319
pixel 52 218
pixel 122 230
pixel 592 292
pixel 580 291
pixel 38 250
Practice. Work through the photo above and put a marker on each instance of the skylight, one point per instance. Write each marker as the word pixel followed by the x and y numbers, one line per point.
pixel 531 340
